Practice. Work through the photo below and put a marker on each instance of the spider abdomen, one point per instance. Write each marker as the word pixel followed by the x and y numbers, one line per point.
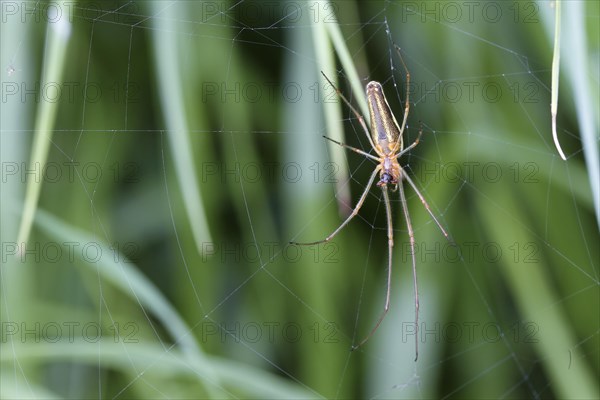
pixel 384 127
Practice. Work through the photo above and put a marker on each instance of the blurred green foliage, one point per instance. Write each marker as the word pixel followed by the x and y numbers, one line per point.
pixel 187 152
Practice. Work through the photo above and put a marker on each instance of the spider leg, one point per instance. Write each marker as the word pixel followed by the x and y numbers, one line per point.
pixel 425 204
pixel 352 215
pixel 406 103
pixel 411 236
pixel 356 113
pixel 354 149
pixel 413 145
pixel 390 233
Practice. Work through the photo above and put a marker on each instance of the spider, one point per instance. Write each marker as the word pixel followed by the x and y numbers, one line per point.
pixel 385 138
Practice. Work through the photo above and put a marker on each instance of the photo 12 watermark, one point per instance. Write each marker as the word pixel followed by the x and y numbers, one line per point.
pixel 271 332
pixel 66 252
pixel 260 252
pixel 67 332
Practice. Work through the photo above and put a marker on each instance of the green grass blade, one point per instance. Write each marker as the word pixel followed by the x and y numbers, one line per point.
pixel 58 35
pixel 116 269
pixel 172 97
pixel 555 74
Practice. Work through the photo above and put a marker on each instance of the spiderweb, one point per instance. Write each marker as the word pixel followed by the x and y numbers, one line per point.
pixel 187 152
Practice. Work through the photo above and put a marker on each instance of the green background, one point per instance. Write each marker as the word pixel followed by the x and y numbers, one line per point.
pixel 177 149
